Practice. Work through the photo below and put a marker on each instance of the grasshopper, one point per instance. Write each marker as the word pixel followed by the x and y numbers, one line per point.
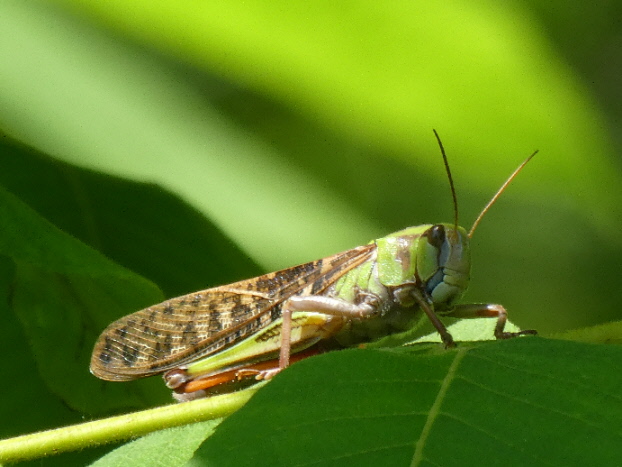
pixel 248 330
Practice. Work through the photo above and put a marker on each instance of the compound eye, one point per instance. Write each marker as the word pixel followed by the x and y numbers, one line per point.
pixel 435 235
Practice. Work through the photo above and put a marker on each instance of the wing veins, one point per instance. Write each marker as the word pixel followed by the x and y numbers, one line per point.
pixel 280 285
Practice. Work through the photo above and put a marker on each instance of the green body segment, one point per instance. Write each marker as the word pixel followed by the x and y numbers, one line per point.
pixel 432 261
pixel 307 329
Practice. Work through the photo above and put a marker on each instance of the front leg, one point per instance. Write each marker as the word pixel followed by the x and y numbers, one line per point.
pixel 428 308
pixel 482 310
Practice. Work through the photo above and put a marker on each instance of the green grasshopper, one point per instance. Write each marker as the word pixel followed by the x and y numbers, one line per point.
pixel 249 329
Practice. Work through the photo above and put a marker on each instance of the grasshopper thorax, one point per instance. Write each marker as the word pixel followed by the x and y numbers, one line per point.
pixel 435 259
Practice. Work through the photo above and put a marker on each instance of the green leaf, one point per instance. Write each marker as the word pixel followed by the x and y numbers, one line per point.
pixel 368 68
pixel 527 401
pixel 155 448
pixel 138 225
pixel 58 294
pixel 57 288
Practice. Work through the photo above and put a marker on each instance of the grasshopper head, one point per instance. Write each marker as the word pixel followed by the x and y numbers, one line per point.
pixel 443 263
pixel 434 257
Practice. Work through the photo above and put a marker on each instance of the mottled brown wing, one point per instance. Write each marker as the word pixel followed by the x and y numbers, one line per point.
pixel 193 326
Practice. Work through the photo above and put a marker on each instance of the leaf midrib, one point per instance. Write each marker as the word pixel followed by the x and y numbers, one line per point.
pixel 436 406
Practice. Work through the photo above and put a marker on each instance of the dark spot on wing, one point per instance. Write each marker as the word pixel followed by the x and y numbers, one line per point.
pixel 129 355
pixel 214 324
pixel 167 345
pixel 105 356
pixel 189 334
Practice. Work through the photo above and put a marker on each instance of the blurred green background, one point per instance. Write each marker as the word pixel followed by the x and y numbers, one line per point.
pixel 303 129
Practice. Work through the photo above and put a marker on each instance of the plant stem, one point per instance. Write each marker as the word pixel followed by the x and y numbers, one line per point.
pixel 119 428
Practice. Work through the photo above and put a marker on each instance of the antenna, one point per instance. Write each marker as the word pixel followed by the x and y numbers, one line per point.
pixel 498 193
pixel 451 180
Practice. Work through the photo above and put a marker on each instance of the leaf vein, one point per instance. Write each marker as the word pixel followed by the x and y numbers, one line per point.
pixel 588 387
pixel 436 406
pixel 496 438
pixel 532 403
